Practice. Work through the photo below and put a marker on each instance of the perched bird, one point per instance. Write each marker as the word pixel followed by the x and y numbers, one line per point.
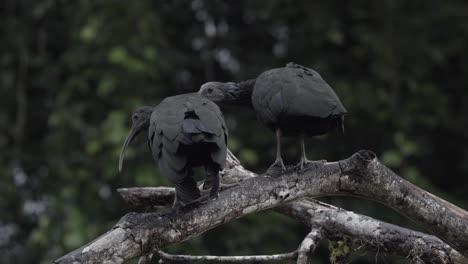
pixel 184 131
pixel 292 101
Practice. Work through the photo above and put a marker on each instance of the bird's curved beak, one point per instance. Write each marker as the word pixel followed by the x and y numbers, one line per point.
pixel 131 135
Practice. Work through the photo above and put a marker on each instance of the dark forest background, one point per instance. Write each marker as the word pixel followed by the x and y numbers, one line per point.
pixel 73 71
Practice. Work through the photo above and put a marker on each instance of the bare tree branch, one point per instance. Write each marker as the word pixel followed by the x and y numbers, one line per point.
pixel 339 224
pixel 361 175
pixel 169 258
pixel 360 230
pixel 309 244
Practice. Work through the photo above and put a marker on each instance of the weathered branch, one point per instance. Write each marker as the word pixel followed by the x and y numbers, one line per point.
pixel 360 230
pixel 339 224
pixel 361 175
pixel 169 258
pixel 309 244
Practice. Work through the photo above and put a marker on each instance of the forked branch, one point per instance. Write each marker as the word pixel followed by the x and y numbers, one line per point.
pixel 361 175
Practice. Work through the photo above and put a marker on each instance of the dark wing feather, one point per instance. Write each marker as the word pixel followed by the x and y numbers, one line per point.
pixel 176 161
pixel 212 118
pixel 267 97
pixel 276 104
pixel 219 154
pixel 171 145
pixel 186 119
pixel 170 172
pixel 155 137
pixel 209 120
pixel 310 95
pixel 170 117
pixel 164 128
pixel 193 126
pixel 187 190
pixel 293 91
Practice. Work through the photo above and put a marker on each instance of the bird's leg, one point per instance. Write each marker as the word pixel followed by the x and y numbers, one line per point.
pixel 187 192
pixel 303 151
pixel 278 160
pixel 278 166
pixel 212 177
pixel 304 159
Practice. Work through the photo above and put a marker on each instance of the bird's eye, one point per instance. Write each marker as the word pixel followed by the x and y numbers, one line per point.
pixel 210 90
pixel 134 117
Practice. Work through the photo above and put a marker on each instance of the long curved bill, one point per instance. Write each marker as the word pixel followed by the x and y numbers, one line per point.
pixel 131 135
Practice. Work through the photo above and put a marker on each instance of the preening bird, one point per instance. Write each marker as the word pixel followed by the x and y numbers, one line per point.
pixel 292 101
pixel 184 131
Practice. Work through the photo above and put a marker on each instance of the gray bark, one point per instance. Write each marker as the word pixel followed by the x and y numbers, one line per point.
pixel 309 244
pixel 361 175
pixel 169 258
pixel 375 235
pixel 339 224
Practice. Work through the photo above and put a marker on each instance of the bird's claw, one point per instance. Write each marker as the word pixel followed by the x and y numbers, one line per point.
pixel 276 168
pixel 213 196
pixel 279 164
pixel 179 204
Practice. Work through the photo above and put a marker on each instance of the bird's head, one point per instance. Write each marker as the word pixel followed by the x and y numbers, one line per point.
pixel 220 92
pixel 140 122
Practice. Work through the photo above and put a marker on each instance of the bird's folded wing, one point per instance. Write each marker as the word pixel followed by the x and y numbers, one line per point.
pixel 187 190
pixel 310 95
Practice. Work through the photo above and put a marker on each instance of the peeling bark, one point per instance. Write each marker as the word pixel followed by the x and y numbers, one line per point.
pixel 360 175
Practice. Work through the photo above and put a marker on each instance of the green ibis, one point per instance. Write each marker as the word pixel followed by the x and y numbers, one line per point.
pixel 183 131
pixel 292 100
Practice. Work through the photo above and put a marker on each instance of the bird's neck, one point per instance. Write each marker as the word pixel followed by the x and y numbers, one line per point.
pixel 245 91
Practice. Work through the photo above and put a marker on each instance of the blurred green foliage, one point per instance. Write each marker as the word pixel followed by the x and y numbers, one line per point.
pixel 339 251
pixel 72 72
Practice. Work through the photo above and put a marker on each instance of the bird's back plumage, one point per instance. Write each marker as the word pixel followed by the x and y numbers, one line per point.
pixel 187 130
pixel 295 97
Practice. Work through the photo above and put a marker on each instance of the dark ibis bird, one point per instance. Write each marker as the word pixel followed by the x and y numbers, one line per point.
pixel 292 100
pixel 184 131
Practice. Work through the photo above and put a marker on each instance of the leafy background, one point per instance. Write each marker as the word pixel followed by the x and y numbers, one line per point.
pixel 73 71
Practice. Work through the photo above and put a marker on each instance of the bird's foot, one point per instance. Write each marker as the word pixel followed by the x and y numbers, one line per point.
pixel 207 193
pixel 276 169
pixel 304 163
pixel 179 205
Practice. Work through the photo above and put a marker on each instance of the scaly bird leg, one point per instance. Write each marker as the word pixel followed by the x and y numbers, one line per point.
pixel 303 151
pixel 304 159
pixel 278 164
pixel 279 160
